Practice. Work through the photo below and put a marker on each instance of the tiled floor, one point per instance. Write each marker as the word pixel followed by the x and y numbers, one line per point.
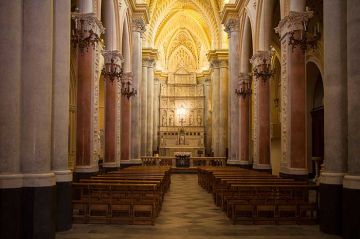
pixel 189 212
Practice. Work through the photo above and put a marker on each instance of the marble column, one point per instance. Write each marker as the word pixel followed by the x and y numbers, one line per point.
pixel 232 27
pixel 215 85
pixel 261 113
pixel 39 190
pixel 10 118
pixel 244 120
pixel 138 28
pixel 125 122
pixel 156 112
pixel 112 112
pixel 335 116
pixel 144 106
pixel 351 183
pixel 60 114
pixel 87 135
pixel 150 107
pixel 207 120
pixel 223 109
pixel 293 98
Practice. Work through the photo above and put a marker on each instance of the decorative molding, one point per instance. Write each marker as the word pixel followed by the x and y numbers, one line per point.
pixel 113 56
pixel 293 22
pixel 351 182
pixel 11 181
pixel 39 180
pixel 261 57
pixel 331 178
pixel 138 25
pixel 63 175
pixel 232 25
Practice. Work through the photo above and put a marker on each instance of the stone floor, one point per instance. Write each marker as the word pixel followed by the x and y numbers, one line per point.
pixel 189 212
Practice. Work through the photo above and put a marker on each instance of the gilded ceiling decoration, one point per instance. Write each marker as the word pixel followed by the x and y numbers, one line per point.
pixel 183 31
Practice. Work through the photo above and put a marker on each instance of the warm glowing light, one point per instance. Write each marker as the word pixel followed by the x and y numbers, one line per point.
pixel 181 112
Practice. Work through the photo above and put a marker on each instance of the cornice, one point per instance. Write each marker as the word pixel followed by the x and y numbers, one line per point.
pixel 139 10
pixel 219 55
pixel 231 10
pixel 150 54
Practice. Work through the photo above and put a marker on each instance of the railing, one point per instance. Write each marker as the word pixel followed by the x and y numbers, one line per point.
pixel 194 161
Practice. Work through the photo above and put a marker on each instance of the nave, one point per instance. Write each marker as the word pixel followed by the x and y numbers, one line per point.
pixel 189 212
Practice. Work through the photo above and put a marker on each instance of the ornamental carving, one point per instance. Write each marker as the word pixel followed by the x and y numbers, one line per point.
pixel 292 22
pixel 232 25
pixel 138 25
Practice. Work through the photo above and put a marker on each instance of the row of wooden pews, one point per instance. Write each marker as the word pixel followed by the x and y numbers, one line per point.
pixel 252 197
pixel 128 196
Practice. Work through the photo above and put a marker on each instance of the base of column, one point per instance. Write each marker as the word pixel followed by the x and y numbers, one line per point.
pixel 63 200
pixel 84 172
pixel 330 202
pixel 10 206
pixel 38 212
pixel 351 207
pixel 294 173
pixel 110 169
pixel 239 163
pixel 130 162
pixel 262 167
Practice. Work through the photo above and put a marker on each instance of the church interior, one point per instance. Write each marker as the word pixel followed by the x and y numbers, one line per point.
pixel 179 119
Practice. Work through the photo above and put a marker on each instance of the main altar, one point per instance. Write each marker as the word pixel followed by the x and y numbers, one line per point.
pixel 181 115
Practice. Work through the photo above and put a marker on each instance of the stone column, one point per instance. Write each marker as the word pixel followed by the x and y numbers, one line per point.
pixel 10 121
pixel 87 135
pixel 223 108
pixel 60 114
pixel 207 120
pixel 293 97
pixel 156 112
pixel 244 120
pixel 351 183
pixel 150 108
pixel 125 122
pixel 335 116
pixel 215 78
pixel 39 191
pixel 112 111
pixel 138 28
pixel 233 29
pixel 144 106
pixel 261 113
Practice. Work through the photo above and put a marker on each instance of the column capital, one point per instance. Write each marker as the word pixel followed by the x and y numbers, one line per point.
pixel 127 77
pixel 114 57
pixel 292 22
pixel 138 25
pixel 232 24
pixel 87 29
pixel 261 57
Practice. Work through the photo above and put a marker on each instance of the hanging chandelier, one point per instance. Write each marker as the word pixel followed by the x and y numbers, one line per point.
pixel 112 69
pixel 126 85
pixel 244 89
pixel 263 70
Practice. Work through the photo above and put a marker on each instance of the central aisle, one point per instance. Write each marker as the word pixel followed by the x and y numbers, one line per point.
pixel 189 212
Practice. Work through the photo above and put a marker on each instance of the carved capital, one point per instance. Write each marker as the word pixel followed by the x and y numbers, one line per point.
pixel 260 58
pixel 215 64
pixel 88 22
pixel 243 77
pixel 232 25
pixel 127 78
pixel 294 21
pixel 114 57
pixel 138 25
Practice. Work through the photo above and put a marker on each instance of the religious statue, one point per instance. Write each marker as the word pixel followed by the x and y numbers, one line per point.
pixel 191 119
pixel 199 120
pixel 163 120
pixel 171 120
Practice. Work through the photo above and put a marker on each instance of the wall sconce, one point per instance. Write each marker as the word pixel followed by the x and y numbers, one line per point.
pixel 112 71
pixel 244 88
pixel 126 82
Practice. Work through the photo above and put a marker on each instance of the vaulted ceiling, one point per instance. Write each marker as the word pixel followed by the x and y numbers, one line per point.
pixel 184 30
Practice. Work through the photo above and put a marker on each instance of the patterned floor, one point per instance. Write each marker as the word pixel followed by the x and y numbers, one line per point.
pixel 189 212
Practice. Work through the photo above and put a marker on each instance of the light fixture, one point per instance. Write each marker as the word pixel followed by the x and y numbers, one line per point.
pixel 112 71
pixel 126 83
pixel 263 70
pixel 244 88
